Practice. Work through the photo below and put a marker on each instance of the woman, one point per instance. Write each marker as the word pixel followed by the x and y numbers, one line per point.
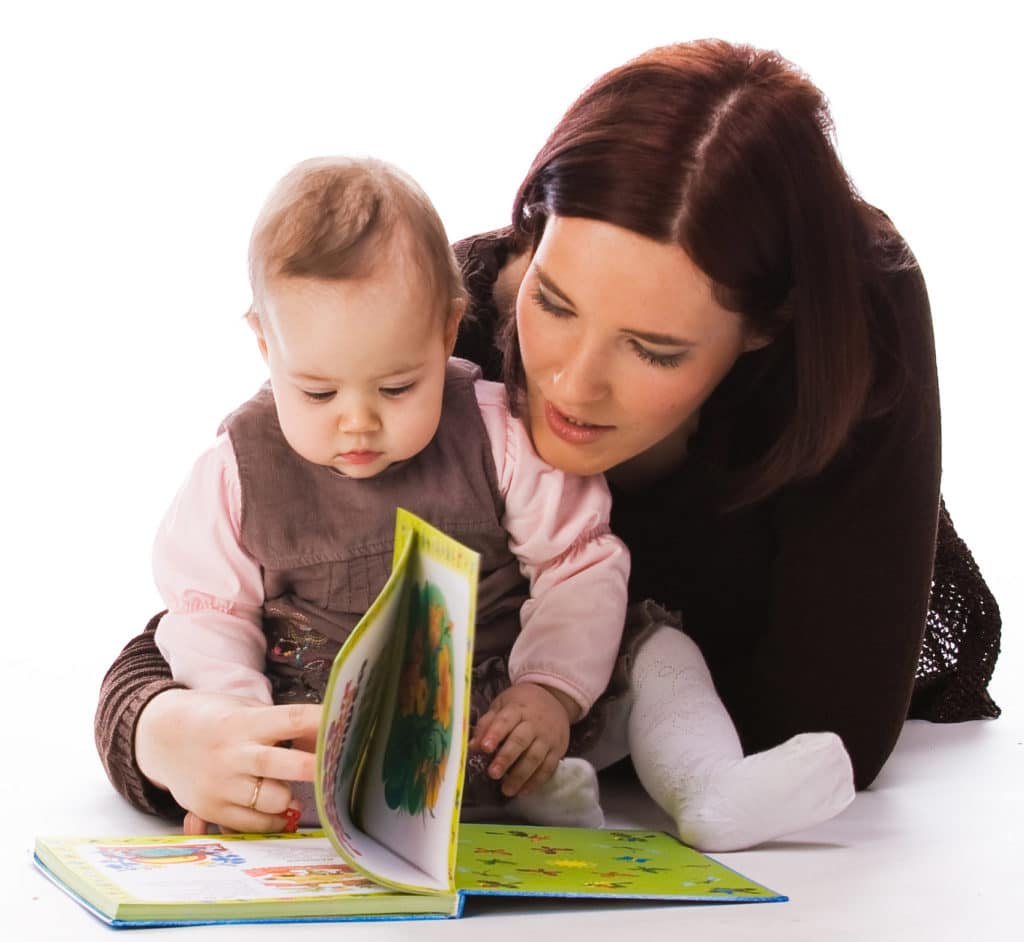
pixel 706 311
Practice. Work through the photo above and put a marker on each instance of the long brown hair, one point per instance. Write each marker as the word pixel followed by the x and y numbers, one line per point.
pixel 727 151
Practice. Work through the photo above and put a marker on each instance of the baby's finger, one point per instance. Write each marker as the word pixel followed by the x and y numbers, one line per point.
pixel 500 727
pixel 542 773
pixel 524 768
pixel 480 730
pixel 515 744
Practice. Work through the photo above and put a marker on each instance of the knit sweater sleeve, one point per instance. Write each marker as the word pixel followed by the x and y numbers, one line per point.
pixel 137 675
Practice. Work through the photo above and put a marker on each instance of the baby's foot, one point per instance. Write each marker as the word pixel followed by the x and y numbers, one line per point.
pixel 568 799
pixel 740 803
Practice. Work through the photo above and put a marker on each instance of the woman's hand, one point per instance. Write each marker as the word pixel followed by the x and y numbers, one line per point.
pixel 530 723
pixel 209 750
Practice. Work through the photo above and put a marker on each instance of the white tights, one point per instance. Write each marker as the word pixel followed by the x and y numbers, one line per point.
pixel 688 757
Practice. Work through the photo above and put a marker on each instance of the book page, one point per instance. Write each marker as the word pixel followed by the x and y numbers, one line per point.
pixel 409 792
pixel 352 706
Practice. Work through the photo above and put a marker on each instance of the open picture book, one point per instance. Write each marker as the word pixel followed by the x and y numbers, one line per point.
pixel 391 753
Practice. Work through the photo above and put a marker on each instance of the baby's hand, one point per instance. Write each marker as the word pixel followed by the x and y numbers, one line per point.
pixel 531 725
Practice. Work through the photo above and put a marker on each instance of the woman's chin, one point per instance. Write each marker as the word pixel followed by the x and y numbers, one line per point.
pixel 573 457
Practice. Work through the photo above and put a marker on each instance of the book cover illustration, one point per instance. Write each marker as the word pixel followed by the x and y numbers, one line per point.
pixel 534 861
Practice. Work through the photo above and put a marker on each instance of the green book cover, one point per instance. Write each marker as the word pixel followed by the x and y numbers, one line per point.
pixel 179 880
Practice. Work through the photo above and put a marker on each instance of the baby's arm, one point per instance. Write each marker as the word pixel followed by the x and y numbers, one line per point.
pixel 212 635
pixel 572 623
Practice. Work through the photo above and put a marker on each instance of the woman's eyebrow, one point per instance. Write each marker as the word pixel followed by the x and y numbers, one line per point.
pixel 545 279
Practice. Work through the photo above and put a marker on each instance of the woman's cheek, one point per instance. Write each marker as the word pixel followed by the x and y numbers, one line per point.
pixel 665 409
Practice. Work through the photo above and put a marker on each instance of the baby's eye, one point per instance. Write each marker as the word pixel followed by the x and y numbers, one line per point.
pixel 318 396
pixel 393 392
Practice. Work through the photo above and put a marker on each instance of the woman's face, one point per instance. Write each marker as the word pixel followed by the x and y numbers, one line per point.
pixel 622 341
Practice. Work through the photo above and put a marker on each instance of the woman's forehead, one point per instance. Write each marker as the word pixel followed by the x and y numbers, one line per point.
pixel 599 268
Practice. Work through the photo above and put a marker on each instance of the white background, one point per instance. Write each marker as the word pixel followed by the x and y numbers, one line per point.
pixel 139 140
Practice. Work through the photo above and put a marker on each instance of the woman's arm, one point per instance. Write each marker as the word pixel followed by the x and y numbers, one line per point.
pixel 137 676
pixel 166 748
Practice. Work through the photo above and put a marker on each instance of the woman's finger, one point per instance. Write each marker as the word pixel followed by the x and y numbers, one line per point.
pixel 264 795
pixel 289 765
pixel 193 824
pixel 245 821
pixel 284 722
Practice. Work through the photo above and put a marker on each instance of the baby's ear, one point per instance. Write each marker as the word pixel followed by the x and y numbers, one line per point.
pixel 451 327
pixel 253 320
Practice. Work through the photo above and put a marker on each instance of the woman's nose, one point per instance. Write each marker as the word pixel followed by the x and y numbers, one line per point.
pixel 581 377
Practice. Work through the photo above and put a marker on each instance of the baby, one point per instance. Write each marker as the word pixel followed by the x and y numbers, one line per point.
pixel 281 536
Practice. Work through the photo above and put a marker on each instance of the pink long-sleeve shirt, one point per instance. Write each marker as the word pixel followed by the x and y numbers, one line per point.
pixel 557 525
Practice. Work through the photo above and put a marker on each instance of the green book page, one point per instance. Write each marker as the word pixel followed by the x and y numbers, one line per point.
pixel 531 861
pixel 182 878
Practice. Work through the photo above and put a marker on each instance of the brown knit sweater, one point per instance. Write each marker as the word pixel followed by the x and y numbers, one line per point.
pixel 814 608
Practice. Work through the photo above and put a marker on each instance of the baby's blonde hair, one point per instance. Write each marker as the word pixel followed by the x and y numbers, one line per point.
pixel 336 217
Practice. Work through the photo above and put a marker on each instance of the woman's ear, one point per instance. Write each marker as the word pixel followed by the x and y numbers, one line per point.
pixel 451 327
pixel 756 340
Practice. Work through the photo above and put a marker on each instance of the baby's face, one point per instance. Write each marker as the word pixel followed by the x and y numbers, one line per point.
pixel 357 366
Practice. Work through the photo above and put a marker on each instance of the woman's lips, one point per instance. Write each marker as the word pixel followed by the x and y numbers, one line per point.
pixel 573 432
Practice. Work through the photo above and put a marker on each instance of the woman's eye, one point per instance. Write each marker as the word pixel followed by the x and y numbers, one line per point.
pixel 542 301
pixel 318 396
pixel 393 392
pixel 658 359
